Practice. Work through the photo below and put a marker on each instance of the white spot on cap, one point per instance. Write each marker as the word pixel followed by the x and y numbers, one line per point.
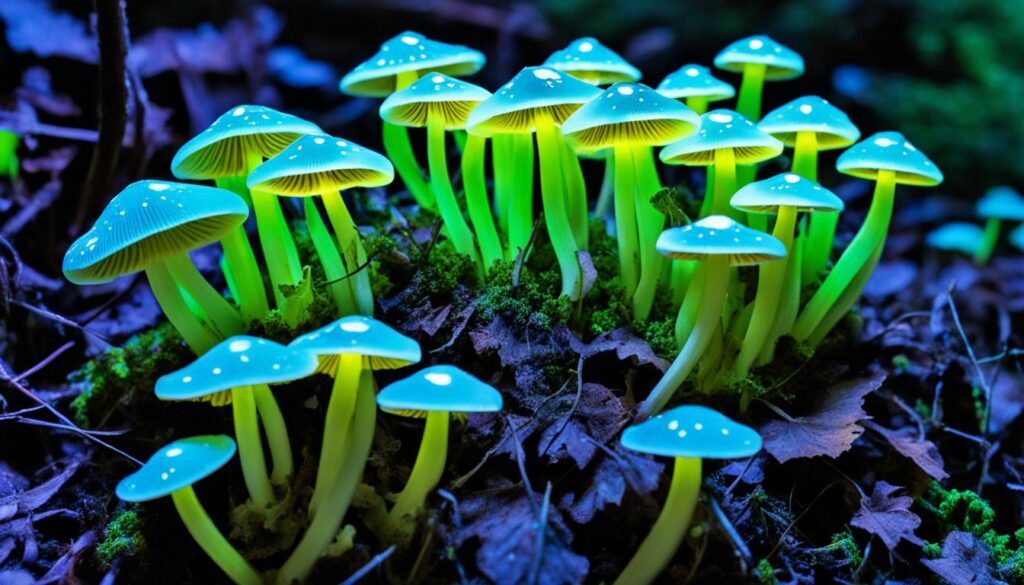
pixel 438 379
pixel 756 44
pixel 544 73
pixel 586 47
pixel 806 109
pixel 791 178
pixel 276 366
pixel 187 379
pixel 719 222
pixel 437 79
pixel 174 452
pixel 318 140
pixel 216 371
pixel 625 90
pixel 240 345
pixel 673 425
pixel 355 327
pixel 693 72
pixel 410 40
pixel 682 434
pixel 720 118
pixel 725 431
pixel 238 112
pixel 159 187
pixel 884 142
pixel 698 427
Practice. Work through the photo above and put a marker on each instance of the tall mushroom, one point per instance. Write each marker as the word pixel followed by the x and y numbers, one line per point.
pixel 758 59
pixel 697 86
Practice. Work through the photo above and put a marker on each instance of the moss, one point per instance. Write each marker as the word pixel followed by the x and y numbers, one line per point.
pixel 123 537
pixel 847 548
pixel 443 269
pixel 534 301
pixel 766 573
pixel 660 335
pixel 932 550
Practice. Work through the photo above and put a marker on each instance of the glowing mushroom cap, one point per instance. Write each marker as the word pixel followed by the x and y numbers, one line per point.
pixel 629 113
pixel 534 91
pixel 318 163
pixel 409 52
pixel 957 236
pixel 721 129
pixel 148 221
pixel 718 235
pixel 786 189
pixel 175 466
pixel 447 98
pixel 383 347
pixel 223 149
pixel 1001 203
pixel 1017 237
pixel 695 81
pixel 589 60
pixel 780 61
pixel 239 361
pixel 440 389
pixel 832 128
pixel 889 151
pixel 692 431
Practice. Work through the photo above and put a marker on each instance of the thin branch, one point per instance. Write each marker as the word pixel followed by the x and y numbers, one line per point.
pixel 373 564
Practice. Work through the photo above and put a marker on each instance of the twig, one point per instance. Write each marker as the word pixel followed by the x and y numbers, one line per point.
pixel 541 529
pixel 46 361
pixel 517 268
pixel 373 564
pixel 974 361
pixel 730 530
pixel 521 462
pixel 572 409
pixel 799 517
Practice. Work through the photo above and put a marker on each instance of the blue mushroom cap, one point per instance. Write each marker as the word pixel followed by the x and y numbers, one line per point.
pixel 722 129
pixel 958 236
pixel 780 61
pixel 718 235
pixel 447 99
pixel 695 81
pixel 409 52
pixel 318 163
pixel 175 466
pixel 589 60
pixel 1017 237
pixel 889 151
pixel 533 92
pixel 785 189
pixel 832 128
pixel 440 389
pixel 382 346
pixel 1001 203
pixel 692 431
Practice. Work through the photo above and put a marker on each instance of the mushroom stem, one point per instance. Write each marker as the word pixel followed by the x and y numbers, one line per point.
pixel 682 276
pixel 556 218
pixel 789 301
pixel 709 191
pixel 805 155
pixel 426 474
pixel 691 305
pixel 854 259
pixel 520 211
pixel 846 301
pixel 716 289
pixel 669 529
pixel 821 227
pixel 697 103
pixel 353 255
pixel 748 103
pixel 604 198
pixel 474 182
pixel 277 433
pixel 211 540
pixel 330 259
pixel 399 149
pixel 337 426
pixel 988 241
pixel 277 243
pixel 250 447
pixel 626 232
pixel 725 183
pixel 576 196
pixel 174 305
pixel 650 223
pixel 503 149
pixel 440 183
pixel 8 154
pixel 224 317
pixel 241 260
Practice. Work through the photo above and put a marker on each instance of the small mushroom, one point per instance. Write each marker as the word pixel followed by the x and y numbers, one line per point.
pixel 587 59
pixel 172 471
pixel 998 205
pixel 1017 237
pixel 957 236
pixel 758 59
pixel 9 165
pixel 688 434
pixel 696 85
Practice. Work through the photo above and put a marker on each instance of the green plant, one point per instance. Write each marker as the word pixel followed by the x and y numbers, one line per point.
pixel 8 153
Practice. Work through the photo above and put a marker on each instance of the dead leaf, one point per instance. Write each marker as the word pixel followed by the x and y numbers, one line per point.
pixel 612 476
pixel 888 516
pixel 588 270
pixel 594 420
pixel 964 561
pixel 922 452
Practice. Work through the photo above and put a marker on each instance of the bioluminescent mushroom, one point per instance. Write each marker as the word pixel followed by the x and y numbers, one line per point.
pixel 226 152
pixel 696 85
pixel 318 164
pixel 172 471
pixel 889 159
pixel 539 99
pixel 630 119
pixel 587 59
pixel 957 236
pixel 758 59
pixel 1017 237
pixel 999 204
pixel 437 392
pixel 400 61
pixel 240 368
pixel 151 226
pixel 718 242
pixel 688 434
pixel 441 103
pixel 9 164
pixel 810 125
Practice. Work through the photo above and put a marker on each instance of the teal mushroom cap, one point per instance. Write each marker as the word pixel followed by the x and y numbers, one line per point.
pixel 440 389
pixel 404 53
pixel 694 432
pixel 589 60
pixel 957 236
pixel 780 61
pixel 222 149
pixel 786 189
pixel 718 235
pixel 433 94
pixel 382 346
pixel 238 361
pixel 1017 237
pixel 889 151
pixel 721 129
pixel 695 81
pixel 147 221
pixel 513 109
pixel 318 163
pixel 175 466
pixel 1001 203
pixel 832 128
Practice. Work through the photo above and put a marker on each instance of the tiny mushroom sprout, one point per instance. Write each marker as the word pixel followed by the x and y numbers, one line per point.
pixel 318 164
pixel 400 61
pixel 809 125
pixel 587 59
pixel 172 471
pixel 758 59
pixel 9 140
pixel 243 366
pixel 697 86
pixel 688 434
pixel 631 118
pixel 436 391
pixel 540 99
pixel 151 226
pixel 889 159
pixel 957 236
pixel 717 242
pixel 999 204
pixel 227 151
pixel 442 103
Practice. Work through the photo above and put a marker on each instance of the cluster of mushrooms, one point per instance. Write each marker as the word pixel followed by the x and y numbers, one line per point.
pixel 999 204
pixel 542 123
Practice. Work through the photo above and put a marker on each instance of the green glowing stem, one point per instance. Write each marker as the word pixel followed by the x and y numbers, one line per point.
pixel 9 154
pixel 682 276
pixel 477 203
pixel 604 199
pixel 503 149
pixel 789 301
pixel 398 147
pixel 353 255
pixel 277 434
pixel 241 260
pixel 576 196
pixel 223 316
pixel 821 225
pixel 338 426
pixel 853 260
pixel 688 311
pixel 323 528
pixel 748 103
pixel 229 280
pixel 250 447
pixel 190 325
pixel 805 155
pixel 520 214
pixel 440 183
pixel 426 474
pixel 716 286
pixel 626 231
pixel 988 241
pixel 650 223
pixel 279 250
pixel 669 529
pixel 211 540
pixel 725 183
pixel 697 103
pixel 330 259
pixel 709 191
pixel 556 218
pixel 846 301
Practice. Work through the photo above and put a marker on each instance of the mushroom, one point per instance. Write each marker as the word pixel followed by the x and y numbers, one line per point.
pixel 400 61
pixel 810 125
pixel 238 370
pixel 717 242
pixel 539 99
pixel 435 393
pixel 1017 237
pixel 999 204
pixel 442 103
pixel 227 151
pixel 630 118
pixel 696 85
pixel 889 159
pixel 9 153
pixel 587 59
pixel 318 164
pixel 758 59
pixel 688 434
pixel 151 226
pixel 172 471
pixel 957 236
